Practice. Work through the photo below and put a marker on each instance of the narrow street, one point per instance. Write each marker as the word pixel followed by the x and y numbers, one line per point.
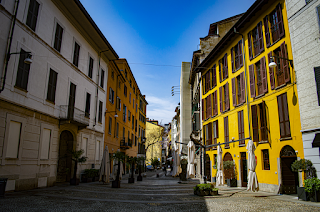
pixel 152 194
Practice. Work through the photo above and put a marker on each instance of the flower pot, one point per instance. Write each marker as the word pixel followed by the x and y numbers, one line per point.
pixel 302 194
pixel 139 178
pixel 232 182
pixel 131 180
pixel 214 193
pixel 115 184
pixel 3 183
pixel 74 181
pixel 315 196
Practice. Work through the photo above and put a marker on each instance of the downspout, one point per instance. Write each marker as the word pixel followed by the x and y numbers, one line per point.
pixel 7 57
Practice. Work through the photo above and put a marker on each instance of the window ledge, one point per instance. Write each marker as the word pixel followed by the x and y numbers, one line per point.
pixel 263 142
pixel 51 102
pixel 280 86
pixel 242 145
pixel 227 147
pixel 285 139
pixel 261 95
pixel 20 90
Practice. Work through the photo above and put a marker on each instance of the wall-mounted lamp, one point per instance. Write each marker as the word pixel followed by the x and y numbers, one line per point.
pixel 115 115
pixel 272 64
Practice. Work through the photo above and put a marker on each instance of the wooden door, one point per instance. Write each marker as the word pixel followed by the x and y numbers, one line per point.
pixel 289 178
pixel 244 170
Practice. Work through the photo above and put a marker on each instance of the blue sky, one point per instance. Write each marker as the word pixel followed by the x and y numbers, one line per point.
pixel 161 33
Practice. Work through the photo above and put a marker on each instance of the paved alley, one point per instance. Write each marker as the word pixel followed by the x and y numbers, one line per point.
pixel 152 194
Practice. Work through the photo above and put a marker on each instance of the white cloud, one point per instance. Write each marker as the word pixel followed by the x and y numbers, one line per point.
pixel 160 109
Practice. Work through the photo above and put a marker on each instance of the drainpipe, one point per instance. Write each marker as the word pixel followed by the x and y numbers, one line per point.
pixel 7 57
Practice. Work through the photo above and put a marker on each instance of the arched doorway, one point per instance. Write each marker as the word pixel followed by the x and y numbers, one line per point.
pixel 289 178
pixel 65 159
pixel 207 170
pixel 227 173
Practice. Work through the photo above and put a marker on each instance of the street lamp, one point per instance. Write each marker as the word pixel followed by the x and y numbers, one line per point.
pixel 272 64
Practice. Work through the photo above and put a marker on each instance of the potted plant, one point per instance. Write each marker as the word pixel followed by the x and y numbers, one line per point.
pixel 120 157
pixel 77 158
pixel 205 189
pixel 132 161
pixel 307 167
pixel 312 187
pixel 229 166
pixel 140 162
pixel 87 176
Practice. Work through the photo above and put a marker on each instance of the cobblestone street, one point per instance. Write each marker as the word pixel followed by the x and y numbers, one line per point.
pixel 152 194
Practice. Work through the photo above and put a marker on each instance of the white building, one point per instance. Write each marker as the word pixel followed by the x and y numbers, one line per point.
pixel 304 26
pixel 56 104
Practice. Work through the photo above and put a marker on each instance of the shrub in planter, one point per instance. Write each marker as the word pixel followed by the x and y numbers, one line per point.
pixel 312 187
pixel 230 165
pixel 205 189
pixel 77 158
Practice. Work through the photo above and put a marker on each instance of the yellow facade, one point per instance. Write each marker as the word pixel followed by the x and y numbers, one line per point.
pixel 153 141
pixel 270 139
pixel 123 129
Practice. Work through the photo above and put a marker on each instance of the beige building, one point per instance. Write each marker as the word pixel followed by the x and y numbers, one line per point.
pixel 154 141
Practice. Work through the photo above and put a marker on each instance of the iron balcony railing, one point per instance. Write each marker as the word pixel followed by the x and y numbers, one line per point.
pixel 125 143
pixel 73 114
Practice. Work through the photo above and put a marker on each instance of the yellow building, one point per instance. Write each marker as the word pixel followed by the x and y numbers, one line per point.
pixel 154 134
pixel 125 110
pixel 244 98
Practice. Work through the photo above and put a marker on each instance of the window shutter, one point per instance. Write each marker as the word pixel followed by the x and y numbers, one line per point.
pixel 285 68
pixel 226 131
pixel 226 65
pixel 214 76
pixel 220 68
pixel 211 79
pixel 280 21
pixel 266 30
pixel 232 60
pixel 250 45
pixel 240 53
pixel 234 100
pixel 284 121
pixel 255 129
pixel 221 100
pixel 209 108
pixel 242 85
pixel 317 78
pixel 227 96
pixel 271 71
pixel 261 44
pixel 207 81
pixel 203 84
pixel 252 81
pixel 215 112
pixel 264 75
pixel 203 118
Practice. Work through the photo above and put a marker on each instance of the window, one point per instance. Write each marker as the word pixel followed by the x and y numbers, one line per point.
pixel 123 133
pixel 279 75
pixel 111 95
pixel 129 115
pixel 126 74
pixel 215 130
pixel 100 112
pixel 236 57
pixel 206 82
pixel 84 145
pixel 255 41
pixel 87 110
pixel 258 78
pixel 117 132
pixel 58 38
pixel 265 156
pixel 211 107
pixel 45 143
pixel 76 54
pixel 133 103
pixel 223 68
pixel 102 78
pixel 118 103
pixel 130 83
pixel 90 67
pixel 33 14
pixel 13 139
pixel 23 71
pixel 238 89
pixel 208 137
pixel 125 90
pixel 110 125
pixel 276 29
pixel 317 78
pixel 136 126
pixel 98 150
pixel 259 122
pixel 226 132
pixel 224 98
pixel 52 84
pixel 72 99
pixel 124 112
pixel 112 74
pixel 130 97
pixel 134 89
pixel 284 120
pixel 241 127
pixel 132 122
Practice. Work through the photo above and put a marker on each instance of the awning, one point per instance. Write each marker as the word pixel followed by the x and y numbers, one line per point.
pixel 316 140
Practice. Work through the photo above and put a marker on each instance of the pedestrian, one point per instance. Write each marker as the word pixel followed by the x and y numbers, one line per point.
pixel 165 170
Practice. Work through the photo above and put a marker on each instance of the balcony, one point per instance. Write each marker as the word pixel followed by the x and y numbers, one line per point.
pixel 125 144
pixel 69 114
